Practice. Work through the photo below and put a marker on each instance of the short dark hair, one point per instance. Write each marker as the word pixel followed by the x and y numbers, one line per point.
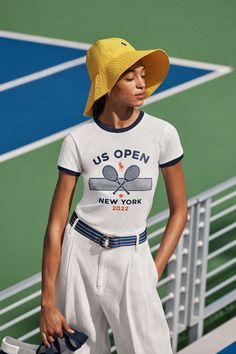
pixel 98 106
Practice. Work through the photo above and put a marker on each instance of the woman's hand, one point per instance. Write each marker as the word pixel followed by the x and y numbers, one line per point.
pixel 51 323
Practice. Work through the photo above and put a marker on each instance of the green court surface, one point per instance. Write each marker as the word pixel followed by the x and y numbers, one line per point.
pixel 204 115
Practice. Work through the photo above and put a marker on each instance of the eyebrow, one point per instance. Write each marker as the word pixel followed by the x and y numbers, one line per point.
pixel 129 70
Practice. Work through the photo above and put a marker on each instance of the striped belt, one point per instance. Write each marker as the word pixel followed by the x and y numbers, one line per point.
pixel 105 240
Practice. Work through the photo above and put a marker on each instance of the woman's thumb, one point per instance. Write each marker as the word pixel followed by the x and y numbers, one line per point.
pixel 68 328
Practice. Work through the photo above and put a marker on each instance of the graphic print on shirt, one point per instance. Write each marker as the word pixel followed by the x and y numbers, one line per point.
pixel 113 182
pixel 120 180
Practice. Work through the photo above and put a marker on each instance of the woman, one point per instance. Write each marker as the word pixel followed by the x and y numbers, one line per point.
pixel 97 268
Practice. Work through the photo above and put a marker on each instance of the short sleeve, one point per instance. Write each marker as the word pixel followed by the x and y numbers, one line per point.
pixel 171 150
pixel 69 159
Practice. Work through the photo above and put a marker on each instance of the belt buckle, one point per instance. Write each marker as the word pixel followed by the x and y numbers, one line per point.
pixel 106 242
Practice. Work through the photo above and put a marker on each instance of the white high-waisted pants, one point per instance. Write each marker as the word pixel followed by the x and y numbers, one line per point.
pixel 97 287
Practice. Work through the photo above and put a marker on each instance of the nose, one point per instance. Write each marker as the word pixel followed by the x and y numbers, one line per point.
pixel 140 82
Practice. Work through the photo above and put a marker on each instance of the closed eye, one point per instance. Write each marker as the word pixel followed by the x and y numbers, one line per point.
pixel 130 79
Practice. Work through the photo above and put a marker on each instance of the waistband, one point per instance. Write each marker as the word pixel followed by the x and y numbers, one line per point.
pixel 106 240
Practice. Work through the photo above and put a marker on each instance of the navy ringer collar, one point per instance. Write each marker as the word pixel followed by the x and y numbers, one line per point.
pixel 119 130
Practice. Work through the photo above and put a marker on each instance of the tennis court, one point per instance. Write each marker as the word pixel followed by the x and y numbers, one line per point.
pixel 43 90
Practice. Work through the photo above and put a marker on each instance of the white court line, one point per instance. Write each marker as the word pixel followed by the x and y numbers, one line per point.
pixel 50 70
pixel 44 40
pixel 85 46
pixel 42 73
pixel 72 63
pixel 187 85
pixel 199 64
pixel 219 70
pixel 35 145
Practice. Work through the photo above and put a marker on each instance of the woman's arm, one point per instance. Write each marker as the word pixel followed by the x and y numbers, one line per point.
pixel 51 319
pixel 176 193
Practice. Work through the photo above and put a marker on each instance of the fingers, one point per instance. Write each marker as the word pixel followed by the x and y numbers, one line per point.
pixel 67 327
pixel 60 333
pixel 49 338
pixel 46 341
pixel 51 324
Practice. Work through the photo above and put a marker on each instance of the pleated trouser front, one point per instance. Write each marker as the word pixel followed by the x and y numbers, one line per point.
pixel 98 288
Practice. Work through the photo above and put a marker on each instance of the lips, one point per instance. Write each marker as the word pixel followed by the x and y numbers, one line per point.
pixel 140 95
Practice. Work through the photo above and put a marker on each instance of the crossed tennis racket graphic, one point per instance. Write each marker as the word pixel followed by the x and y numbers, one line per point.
pixel 111 174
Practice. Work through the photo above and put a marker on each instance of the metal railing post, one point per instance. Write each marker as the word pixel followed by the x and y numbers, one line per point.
pixel 199 252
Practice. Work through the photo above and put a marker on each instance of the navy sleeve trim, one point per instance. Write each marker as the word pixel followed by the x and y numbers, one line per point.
pixel 172 162
pixel 73 173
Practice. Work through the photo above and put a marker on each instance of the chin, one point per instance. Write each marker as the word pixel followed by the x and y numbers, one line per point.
pixel 139 104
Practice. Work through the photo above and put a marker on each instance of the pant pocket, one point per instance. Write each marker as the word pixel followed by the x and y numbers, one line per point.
pixel 66 237
pixel 153 266
pixel 64 268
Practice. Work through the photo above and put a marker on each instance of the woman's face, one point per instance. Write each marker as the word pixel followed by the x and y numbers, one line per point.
pixel 129 89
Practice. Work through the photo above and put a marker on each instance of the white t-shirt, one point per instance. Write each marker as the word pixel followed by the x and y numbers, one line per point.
pixel 120 169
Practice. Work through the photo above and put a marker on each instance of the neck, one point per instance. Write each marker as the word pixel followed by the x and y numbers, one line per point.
pixel 118 116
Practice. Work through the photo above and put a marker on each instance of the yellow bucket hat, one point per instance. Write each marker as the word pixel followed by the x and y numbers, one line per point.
pixel 108 58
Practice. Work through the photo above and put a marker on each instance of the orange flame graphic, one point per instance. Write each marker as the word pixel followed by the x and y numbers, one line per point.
pixel 121 166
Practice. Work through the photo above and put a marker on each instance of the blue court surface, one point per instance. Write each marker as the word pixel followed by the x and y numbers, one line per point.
pixel 48 105
pixel 230 349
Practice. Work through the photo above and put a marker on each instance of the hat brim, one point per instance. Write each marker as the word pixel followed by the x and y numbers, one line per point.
pixel 156 63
